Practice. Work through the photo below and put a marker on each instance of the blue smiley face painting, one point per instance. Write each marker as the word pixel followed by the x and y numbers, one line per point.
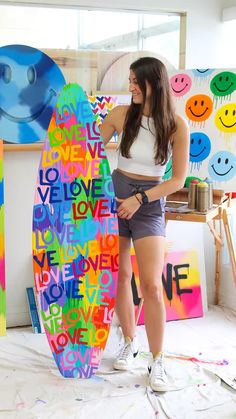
pixel 222 166
pixel 200 147
pixel 202 72
pixel 29 85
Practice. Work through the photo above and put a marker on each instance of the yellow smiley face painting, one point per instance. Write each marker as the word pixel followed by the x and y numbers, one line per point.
pixel 225 118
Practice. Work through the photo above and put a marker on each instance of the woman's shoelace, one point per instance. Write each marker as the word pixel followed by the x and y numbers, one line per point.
pixel 158 369
pixel 125 351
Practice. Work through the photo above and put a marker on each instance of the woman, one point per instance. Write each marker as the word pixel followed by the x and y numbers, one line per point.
pixel 149 133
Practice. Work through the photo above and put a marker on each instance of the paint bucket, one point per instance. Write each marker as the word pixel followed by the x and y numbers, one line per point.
pixel 202 197
pixel 192 194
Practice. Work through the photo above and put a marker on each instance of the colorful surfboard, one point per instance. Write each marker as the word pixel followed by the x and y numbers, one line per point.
pixel 75 237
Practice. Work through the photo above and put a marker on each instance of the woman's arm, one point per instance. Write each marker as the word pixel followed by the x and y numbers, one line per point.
pixel 113 122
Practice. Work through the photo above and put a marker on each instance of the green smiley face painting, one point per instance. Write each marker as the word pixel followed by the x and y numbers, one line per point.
pixel 223 84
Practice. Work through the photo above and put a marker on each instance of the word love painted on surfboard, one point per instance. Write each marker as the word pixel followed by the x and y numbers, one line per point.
pixel 75 237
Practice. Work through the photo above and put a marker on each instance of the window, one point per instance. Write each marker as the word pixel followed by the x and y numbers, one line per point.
pixel 94 48
pixel 55 28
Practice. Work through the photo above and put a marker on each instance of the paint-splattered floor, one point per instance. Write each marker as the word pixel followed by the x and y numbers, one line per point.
pixel 31 387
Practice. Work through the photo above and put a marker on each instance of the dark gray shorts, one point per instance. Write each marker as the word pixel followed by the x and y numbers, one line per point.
pixel 149 219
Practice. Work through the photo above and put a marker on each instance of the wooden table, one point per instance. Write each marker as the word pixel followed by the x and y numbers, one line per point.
pixel 213 218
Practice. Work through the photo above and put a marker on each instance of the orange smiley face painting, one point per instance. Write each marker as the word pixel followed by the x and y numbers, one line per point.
pixel 198 109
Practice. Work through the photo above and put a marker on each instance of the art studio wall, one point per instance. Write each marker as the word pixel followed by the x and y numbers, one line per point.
pixel 204 49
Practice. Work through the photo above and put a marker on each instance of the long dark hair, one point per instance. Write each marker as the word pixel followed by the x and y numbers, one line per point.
pixel 153 71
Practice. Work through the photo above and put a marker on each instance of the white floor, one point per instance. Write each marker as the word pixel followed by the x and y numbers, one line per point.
pixel 31 387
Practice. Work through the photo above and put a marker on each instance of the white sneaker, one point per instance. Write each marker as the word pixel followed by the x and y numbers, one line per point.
pixel 158 379
pixel 127 354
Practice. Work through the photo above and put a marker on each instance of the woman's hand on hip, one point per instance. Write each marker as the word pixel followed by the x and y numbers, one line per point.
pixel 127 207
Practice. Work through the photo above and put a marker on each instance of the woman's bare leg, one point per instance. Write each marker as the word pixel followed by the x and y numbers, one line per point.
pixel 124 306
pixel 150 259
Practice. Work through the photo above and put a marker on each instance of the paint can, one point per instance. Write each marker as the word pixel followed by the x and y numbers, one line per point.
pixel 210 192
pixel 202 197
pixel 192 194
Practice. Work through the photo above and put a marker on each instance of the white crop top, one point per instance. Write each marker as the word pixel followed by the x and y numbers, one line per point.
pixel 142 153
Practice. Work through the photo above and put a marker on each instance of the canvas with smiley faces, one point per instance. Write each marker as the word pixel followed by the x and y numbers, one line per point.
pixel 30 82
pixel 207 98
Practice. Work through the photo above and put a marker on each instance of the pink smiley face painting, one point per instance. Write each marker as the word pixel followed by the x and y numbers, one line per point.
pixel 180 84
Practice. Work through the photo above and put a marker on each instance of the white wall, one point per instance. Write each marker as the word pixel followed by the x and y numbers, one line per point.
pixel 228 3
pixel 204 50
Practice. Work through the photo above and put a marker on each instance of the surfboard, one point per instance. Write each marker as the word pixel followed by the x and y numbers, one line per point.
pixel 75 237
